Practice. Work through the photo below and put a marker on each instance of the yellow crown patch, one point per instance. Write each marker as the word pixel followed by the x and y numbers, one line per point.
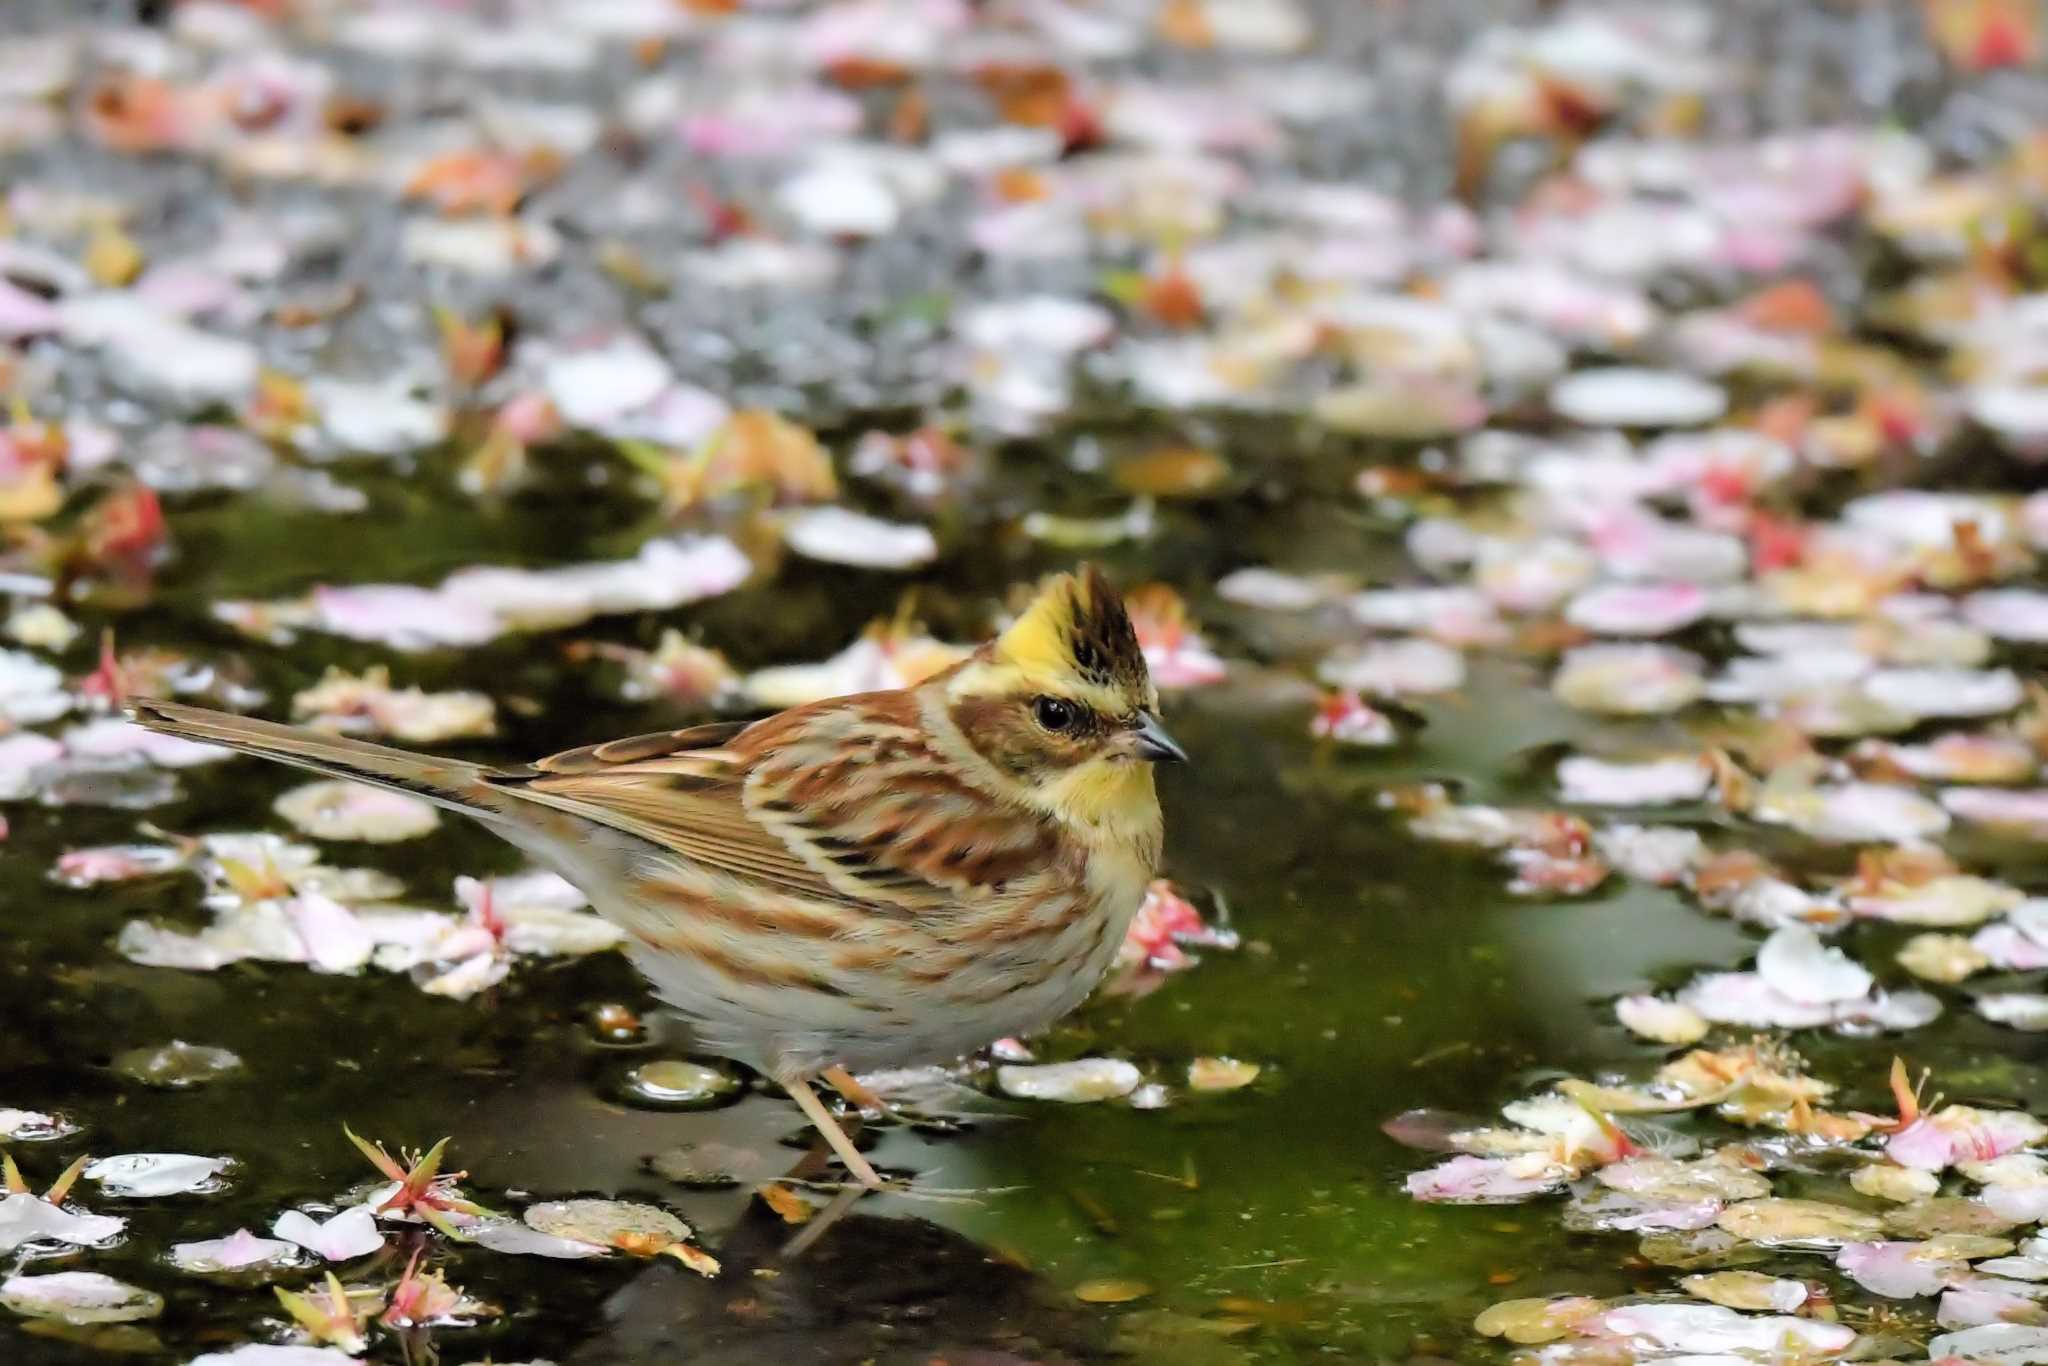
pixel 1077 625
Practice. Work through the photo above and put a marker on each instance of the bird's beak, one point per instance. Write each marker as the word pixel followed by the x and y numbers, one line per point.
pixel 1155 744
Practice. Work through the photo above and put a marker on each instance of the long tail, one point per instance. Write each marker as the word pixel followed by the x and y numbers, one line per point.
pixel 450 782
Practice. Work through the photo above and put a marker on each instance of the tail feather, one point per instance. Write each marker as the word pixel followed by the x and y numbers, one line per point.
pixel 450 782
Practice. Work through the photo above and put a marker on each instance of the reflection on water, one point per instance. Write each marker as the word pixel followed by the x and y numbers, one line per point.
pixel 878 1288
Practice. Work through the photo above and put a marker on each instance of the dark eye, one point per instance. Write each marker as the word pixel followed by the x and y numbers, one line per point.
pixel 1054 713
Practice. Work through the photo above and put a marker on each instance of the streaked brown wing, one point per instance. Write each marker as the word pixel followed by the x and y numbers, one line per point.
pixel 842 800
pixel 861 790
pixel 678 789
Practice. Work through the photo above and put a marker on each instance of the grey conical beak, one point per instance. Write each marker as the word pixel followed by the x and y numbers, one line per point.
pixel 1155 744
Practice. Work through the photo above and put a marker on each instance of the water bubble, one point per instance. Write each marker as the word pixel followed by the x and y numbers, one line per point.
pixel 616 1024
pixel 679 1084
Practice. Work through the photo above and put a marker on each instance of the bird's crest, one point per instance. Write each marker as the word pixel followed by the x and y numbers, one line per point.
pixel 1077 626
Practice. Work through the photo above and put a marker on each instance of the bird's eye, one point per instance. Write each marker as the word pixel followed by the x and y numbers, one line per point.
pixel 1054 713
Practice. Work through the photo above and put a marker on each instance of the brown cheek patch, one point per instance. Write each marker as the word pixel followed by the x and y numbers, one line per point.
pixel 1003 733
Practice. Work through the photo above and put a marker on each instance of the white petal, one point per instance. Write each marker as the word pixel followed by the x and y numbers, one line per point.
pixel 333 809
pixel 28 1126
pixel 336 940
pixel 1626 396
pixel 1798 966
pixel 1660 1021
pixel 26 1219
pixel 467 978
pixel 508 1235
pixel 351 1233
pixel 141 1175
pixel 1600 783
pixel 1082 1080
pixel 238 1250
pixel 264 1354
pixel 79 1297
pixel 1945 692
pixel 2022 1010
pixel 841 536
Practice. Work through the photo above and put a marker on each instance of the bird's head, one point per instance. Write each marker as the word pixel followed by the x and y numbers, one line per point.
pixel 1062 705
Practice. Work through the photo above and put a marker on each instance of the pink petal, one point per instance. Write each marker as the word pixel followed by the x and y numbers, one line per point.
pixel 335 940
pixel 1897 1270
pixel 23 314
pixel 1638 609
pixel 1480 1181
pixel 1921 1144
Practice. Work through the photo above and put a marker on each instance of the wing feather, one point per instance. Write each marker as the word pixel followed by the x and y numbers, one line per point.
pixel 842 801
pixel 635 748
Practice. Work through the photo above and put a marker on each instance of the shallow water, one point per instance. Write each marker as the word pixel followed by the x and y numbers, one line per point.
pixel 1378 973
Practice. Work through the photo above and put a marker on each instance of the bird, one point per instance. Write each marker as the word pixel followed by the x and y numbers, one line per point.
pixel 878 880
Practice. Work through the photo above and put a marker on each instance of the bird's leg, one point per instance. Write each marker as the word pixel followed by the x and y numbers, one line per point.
pixel 811 1166
pixel 855 1090
pixel 814 1110
pixel 824 1219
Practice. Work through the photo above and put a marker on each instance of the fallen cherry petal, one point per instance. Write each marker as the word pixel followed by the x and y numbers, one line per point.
pixel 2005 1344
pixel 1638 609
pixel 1899 1270
pixel 343 1237
pixel 2021 1010
pixel 33 1126
pixel 1795 963
pixel 1798 1223
pixel 332 809
pixel 2025 811
pixel 80 868
pixel 1661 1021
pixel 510 1236
pixel 1624 396
pixel 1706 1329
pixel 1653 783
pixel 841 536
pixel 1532 1322
pixel 265 1354
pixel 1748 1291
pixel 1628 680
pixel 238 1251
pixel 143 1175
pixel 1484 1181
pixel 79 1297
pixel 1221 1074
pixel 26 1219
pixel 1077 1082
